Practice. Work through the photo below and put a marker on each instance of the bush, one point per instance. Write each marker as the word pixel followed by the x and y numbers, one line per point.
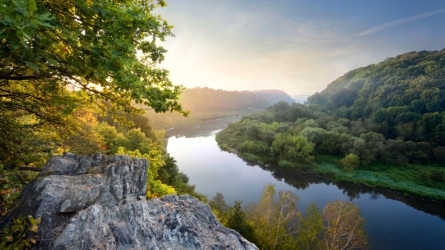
pixel 350 162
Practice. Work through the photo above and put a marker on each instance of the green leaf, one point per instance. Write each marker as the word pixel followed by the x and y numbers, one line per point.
pixel 32 220
pixel 32 6
pixel 32 66
pixel 21 5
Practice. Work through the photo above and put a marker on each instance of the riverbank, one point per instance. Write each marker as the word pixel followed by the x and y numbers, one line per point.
pixel 418 180
pixel 394 220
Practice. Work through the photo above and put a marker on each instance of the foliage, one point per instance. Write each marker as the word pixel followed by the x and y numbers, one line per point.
pixel 93 137
pixel 58 57
pixel 404 94
pixel 350 162
pixel 310 229
pixel 388 114
pixel 63 64
pixel 19 234
pixel 236 220
pixel 219 206
pixel 409 179
pixel 169 174
pixel 106 48
pixel 12 182
pixel 276 223
pixel 155 187
pixel 345 226
pixel 292 148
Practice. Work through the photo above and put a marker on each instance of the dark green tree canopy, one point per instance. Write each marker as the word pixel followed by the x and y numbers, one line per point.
pixel 58 57
pixel 107 48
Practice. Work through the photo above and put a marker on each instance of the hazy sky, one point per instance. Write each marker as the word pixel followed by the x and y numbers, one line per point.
pixel 296 46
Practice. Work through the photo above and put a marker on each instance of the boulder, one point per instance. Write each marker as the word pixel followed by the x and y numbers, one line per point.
pixel 98 202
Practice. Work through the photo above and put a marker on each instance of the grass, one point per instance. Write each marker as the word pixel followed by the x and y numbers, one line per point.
pixel 408 179
pixel 421 180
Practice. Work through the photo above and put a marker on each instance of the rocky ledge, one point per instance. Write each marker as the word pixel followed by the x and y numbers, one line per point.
pixel 98 202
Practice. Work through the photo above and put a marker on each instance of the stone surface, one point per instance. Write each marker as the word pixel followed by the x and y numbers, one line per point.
pixel 98 202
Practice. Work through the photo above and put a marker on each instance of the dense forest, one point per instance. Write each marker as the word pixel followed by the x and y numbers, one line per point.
pixel 382 125
pixel 404 95
pixel 207 103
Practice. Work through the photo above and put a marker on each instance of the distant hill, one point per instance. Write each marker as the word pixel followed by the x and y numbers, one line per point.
pixel 208 104
pixel 406 94
pixel 207 99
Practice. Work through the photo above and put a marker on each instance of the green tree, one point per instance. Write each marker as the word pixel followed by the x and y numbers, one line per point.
pixel 236 220
pixel 107 48
pixel 292 148
pixel 350 162
pixel 219 205
pixel 275 220
pixel 55 56
pixel 310 229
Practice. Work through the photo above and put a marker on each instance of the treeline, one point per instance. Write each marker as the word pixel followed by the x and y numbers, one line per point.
pixel 297 134
pixel 275 222
pixel 403 95
pixel 263 133
pixel 215 100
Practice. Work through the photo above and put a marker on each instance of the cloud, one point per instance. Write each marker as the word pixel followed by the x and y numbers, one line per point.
pixel 401 21
pixel 252 22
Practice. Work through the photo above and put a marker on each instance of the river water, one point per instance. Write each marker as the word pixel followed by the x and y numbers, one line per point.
pixel 393 220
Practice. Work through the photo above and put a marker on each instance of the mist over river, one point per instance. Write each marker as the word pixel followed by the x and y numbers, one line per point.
pixel 393 220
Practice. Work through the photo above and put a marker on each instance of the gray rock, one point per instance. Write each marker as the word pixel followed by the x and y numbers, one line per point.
pixel 98 202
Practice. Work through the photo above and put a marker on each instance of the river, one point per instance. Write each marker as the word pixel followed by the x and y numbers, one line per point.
pixel 393 220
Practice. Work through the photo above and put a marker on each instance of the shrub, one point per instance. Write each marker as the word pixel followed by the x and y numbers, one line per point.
pixel 350 162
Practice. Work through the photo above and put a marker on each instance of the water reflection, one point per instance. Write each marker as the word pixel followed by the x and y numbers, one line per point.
pixel 394 220
pixel 302 179
pixel 203 128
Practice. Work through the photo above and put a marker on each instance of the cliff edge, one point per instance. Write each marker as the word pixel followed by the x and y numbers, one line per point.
pixel 98 202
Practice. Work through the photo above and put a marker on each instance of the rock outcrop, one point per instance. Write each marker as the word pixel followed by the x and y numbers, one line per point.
pixel 98 202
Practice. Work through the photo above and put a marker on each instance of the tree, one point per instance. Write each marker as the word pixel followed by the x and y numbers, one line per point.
pixel 292 148
pixel 236 220
pixel 345 227
pixel 218 204
pixel 350 162
pixel 275 221
pixel 57 55
pixel 92 45
pixel 311 228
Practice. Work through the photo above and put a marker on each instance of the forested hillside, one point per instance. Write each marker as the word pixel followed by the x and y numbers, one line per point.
pixel 404 95
pixel 381 125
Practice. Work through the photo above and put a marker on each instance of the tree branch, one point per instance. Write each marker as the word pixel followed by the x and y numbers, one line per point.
pixel 28 168
pixel 19 78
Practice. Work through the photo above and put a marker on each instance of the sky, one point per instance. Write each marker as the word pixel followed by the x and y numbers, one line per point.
pixel 298 46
